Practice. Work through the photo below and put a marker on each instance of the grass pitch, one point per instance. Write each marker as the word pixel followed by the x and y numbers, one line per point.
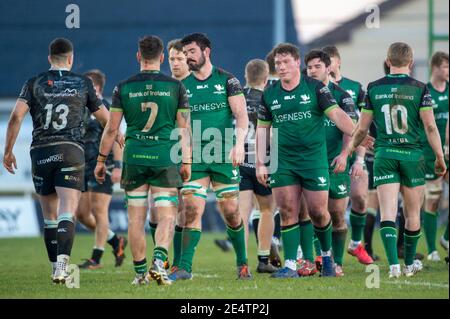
pixel 25 273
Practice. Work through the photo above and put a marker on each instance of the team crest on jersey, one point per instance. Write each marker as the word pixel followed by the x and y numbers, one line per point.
pixel 220 89
pixel 305 99
pixel 352 93
pixel 323 181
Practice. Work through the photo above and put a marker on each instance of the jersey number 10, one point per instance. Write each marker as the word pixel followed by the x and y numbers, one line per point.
pixel 392 121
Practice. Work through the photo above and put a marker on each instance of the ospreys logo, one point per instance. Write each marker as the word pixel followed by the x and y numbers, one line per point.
pixel 220 89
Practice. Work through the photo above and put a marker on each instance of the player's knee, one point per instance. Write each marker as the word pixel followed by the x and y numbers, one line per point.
pixel 233 219
pixel 191 213
pixel 338 222
pixel 359 201
pixel 433 193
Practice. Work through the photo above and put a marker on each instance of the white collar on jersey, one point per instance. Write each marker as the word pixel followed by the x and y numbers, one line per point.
pixel 58 69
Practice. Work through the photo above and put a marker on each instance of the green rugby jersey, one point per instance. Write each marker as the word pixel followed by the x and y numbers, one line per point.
pixel 440 109
pixel 298 115
pixel 355 90
pixel 149 101
pixel 334 135
pixel 211 115
pixel 395 102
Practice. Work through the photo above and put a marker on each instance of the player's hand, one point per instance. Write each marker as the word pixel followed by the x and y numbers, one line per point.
pixel 339 163
pixel 9 162
pixel 439 166
pixel 356 171
pixel 185 172
pixel 115 175
pixel 120 139
pixel 237 155
pixel 368 142
pixel 262 174
pixel 100 172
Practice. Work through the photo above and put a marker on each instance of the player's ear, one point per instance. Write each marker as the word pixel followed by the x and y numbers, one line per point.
pixel 138 56
pixel 208 52
pixel 388 63
pixel 411 65
pixel 49 60
pixel 161 58
pixel 70 60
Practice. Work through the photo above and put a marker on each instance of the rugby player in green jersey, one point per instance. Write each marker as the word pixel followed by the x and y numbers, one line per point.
pixel 179 70
pixel 295 107
pixel 438 87
pixel 359 177
pixel 401 108
pixel 318 67
pixel 216 98
pixel 153 105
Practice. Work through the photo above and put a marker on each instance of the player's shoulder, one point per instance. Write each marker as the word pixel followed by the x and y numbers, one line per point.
pixel 252 93
pixel 340 91
pixel 272 87
pixel 223 73
pixel 313 84
pixel 352 82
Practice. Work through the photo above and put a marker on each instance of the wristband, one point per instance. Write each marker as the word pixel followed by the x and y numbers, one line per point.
pixel 117 164
pixel 360 160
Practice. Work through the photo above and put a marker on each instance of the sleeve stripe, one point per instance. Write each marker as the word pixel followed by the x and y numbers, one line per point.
pixel 238 94
pixel 425 108
pixel 115 109
pixel 367 111
pixel 264 122
pixel 328 109
pixel 183 110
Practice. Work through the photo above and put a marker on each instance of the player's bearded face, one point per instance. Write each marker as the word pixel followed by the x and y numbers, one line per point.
pixel 196 63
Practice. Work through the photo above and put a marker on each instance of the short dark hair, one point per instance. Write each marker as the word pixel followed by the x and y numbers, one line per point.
pixel 175 44
pixel 332 51
pixel 438 58
pixel 318 54
pixel 98 78
pixel 150 47
pixel 200 38
pixel 270 59
pixel 287 48
pixel 256 71
pixel 59 48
